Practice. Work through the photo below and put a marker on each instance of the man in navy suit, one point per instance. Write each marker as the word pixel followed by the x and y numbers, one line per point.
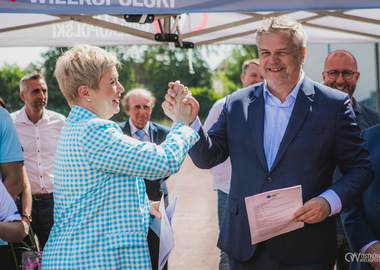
pixel 361 220
pixel 138 104
pixel 284 132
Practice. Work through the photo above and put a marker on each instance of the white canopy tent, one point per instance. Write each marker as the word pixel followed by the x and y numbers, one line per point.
pixel 67 22
pixel 61 23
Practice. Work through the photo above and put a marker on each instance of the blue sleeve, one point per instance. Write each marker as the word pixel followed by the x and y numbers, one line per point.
pixel 334 201
pixel 10 146
pixel 8 208
pixel 110 150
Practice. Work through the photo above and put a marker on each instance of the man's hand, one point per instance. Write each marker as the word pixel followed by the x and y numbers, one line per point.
pixel 26 225
pixel 374 250
pixel 179 105
pixel 313 211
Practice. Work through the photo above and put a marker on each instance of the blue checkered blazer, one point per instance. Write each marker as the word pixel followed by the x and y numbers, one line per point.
pixel 101 211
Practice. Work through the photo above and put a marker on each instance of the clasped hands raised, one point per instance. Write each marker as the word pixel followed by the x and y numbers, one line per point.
pixel 179 104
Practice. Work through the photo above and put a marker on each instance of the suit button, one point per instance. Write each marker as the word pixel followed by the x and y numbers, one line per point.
pixel 268 179
pixel 378 204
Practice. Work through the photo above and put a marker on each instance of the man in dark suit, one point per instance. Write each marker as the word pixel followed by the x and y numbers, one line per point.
pixel 284 132
pixel 361 220
pixel 341 73
pixel 138 104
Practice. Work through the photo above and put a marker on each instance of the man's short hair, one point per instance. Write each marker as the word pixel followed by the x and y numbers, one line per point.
pixel 283 23
pixel 137 92
pixel 247 63
pixel 35 75
pixel 341 52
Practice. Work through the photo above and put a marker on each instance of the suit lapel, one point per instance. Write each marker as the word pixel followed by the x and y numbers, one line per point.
pixel 256 113
pixel 127 129
pixel 153 133
pixel 302 107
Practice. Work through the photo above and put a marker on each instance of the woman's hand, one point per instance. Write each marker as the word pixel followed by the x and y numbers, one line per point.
pixel 153 209
pixel 179 105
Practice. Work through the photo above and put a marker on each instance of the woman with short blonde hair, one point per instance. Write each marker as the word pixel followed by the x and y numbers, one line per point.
pixel 101 211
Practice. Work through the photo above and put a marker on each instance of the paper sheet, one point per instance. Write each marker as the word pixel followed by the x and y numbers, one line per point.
pixel 166 232
pixel 270 213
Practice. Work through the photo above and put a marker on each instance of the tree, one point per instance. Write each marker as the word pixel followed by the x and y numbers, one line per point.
pixel 206 99
pixel 56 101
pixel 233 65
pixel 155 66
pixel 161 65
pixel 151 67
pixel 10 76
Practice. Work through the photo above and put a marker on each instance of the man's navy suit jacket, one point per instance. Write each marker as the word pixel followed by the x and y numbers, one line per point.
pixel 361 220
pixel 321 134
pixel 157 135
pixel 367 117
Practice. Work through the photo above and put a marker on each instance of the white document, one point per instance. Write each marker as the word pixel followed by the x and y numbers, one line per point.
pixel 166 232
pixel 270 213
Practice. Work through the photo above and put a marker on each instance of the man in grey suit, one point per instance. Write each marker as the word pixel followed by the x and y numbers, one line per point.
pixel 138 105
pixel 285 132
pixel 341 73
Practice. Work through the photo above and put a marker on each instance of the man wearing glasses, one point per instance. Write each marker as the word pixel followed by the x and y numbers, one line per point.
pixel 341 73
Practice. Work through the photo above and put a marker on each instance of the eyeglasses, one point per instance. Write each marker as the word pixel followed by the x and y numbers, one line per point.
pixel 346 74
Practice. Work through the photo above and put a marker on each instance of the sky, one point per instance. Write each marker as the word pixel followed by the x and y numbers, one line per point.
pixel 21 56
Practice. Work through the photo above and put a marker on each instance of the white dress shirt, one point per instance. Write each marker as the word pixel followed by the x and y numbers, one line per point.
pixel 221 174
pixel 39 142
pixel 145 129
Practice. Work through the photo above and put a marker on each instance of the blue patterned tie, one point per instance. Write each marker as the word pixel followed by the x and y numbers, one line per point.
pixel 141 134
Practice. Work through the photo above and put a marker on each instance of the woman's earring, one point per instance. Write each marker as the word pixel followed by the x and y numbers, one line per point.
pixel 88 100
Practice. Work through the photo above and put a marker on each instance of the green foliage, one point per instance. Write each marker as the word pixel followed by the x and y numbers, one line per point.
pixel 152 68
pixel 127 76
pixel 228 85
pixel 161 65
pixel 56 101
pixel 234 65
pixel 10 77
pixel 156 66
pixel 206 98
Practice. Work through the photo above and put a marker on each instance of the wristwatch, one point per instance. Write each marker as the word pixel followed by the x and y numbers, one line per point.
pixel 28 217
